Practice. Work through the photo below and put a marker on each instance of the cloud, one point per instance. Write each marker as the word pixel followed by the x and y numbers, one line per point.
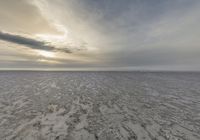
pixel 31 43
pixel 23 16
pixel 129 33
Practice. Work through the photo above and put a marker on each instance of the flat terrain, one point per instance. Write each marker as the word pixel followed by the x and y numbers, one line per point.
pixel 99 106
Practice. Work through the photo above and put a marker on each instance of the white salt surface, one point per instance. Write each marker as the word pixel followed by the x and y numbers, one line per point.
pixel 99 106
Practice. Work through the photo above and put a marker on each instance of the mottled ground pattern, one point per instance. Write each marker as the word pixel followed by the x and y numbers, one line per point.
pixel 99 106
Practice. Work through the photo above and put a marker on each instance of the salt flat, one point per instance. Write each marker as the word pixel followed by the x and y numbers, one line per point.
pixel 99 105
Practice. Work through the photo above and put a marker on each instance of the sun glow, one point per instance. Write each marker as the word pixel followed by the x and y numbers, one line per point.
pixel 55 38
pixel 46 54
pixel 52 38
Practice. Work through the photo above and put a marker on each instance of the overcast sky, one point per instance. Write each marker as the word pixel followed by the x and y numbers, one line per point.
pixel 100 34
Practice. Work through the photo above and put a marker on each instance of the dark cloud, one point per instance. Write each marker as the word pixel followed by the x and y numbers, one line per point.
pixel 31 43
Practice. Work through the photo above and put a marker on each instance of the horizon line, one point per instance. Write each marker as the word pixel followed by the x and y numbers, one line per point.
pixel 95 70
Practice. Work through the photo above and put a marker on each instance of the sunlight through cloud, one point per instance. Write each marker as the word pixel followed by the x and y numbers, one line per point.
pixel 46 54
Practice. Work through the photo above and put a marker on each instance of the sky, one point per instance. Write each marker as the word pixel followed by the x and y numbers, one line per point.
pixel 100 34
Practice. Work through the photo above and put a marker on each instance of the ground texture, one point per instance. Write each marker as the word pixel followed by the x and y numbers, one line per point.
pixel 99 106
